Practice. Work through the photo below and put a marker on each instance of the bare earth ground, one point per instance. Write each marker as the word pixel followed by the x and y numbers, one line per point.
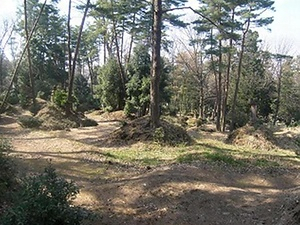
pixel 197 193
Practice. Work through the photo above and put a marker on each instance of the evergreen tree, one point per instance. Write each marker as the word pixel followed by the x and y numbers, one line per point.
pixel 110 84
pixel 138 86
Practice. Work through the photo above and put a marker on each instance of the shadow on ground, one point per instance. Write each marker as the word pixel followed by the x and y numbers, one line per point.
pixel 175 194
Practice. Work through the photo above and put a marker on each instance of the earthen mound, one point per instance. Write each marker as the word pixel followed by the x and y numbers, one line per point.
pixel 140 130
pixel 54 118
pixel 249 136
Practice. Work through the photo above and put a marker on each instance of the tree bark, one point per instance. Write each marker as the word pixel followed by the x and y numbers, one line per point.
pixel 121 68
pixel 156 63
pixel 72 73
pixel 227 78
pixel 91 72
pixel 31 76
pixel 233 116
pixel 278 92
pixel 219 87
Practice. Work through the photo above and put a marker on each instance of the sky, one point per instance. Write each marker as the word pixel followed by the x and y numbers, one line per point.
pixel 285 30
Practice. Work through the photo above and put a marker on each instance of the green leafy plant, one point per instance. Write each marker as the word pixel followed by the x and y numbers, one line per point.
pixel 6 168
pixel 60 98
pixel 159 135
pixel 45 199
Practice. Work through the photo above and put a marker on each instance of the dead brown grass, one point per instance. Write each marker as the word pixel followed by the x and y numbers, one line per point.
pixel 140 130
pixel 256 138
pixel 112 116
pixel 54 118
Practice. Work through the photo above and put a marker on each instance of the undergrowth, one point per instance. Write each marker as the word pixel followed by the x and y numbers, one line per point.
pixel 7 171
pixel 45 199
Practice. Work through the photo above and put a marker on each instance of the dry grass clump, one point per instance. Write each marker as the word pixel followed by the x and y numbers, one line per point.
pixel 256 138
pixel 113 116
pixel 140 130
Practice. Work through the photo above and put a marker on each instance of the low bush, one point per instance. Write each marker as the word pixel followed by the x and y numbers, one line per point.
pixel 60 98
pixel 45 199
pixel 6 168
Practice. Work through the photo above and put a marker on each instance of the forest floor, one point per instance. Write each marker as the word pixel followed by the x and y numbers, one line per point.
pixel 208 183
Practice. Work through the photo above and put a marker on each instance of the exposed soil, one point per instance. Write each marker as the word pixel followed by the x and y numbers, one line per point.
pixel 197 193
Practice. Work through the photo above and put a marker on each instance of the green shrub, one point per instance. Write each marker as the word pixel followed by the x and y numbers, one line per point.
pixel 29 122
pixel 159 135
pixel 13 98
pixel 60 98
pixel 45 200
pixel 6 168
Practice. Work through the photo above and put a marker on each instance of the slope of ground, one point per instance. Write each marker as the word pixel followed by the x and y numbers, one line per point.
pixel 152 187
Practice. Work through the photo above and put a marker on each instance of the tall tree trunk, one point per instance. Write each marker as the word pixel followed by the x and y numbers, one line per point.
pixel 278 92
pixel 130 43
pixel 104 48
pixel 239 72
pixel 156 63
pixel 216 80
pixel 69 41
pixel 14 75
pixel 227 78
pixel 72 75
pixel 31 76
pixel 121 68
pixel 201 103
pixel 91 72
pixel 219 87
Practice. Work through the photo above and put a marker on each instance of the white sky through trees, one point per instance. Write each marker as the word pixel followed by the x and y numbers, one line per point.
pixel 285 30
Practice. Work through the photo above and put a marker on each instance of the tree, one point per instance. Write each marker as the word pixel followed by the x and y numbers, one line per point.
pixel 31 76
pixel 156 63
pixel 138 86
pixel 47 48
pixel 83 94
pixel 72 72
pixel 6 35
pixel 158 13
pixel 14 74
pixel 109 88
pixel 257 86
pixel 281 60
pixel 290 91
pixel 250 13
pixel 218 28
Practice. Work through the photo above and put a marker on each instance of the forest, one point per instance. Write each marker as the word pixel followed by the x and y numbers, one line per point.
pixel 139 86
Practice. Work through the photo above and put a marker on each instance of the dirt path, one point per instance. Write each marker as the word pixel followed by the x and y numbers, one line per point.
pixel 198 193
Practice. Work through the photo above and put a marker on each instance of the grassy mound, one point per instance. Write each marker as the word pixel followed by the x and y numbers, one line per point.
pixel 54 118
pixel 139 130
pixel 257 138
